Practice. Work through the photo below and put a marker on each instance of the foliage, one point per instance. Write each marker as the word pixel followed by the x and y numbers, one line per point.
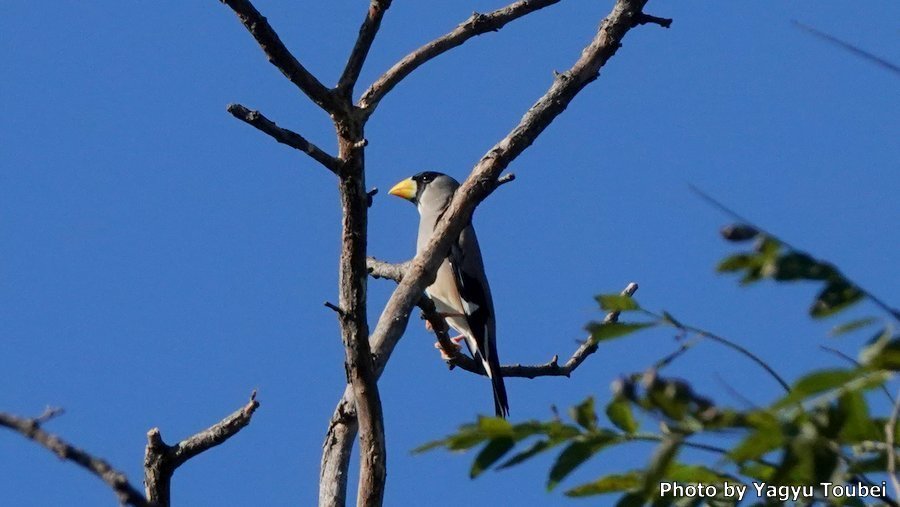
pixel 820 430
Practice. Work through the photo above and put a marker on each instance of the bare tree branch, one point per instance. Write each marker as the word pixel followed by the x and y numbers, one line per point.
pixel 31 429
pixel 477 24
pixel 161 460
pixel 482 181
pixel 336 452
pixel 279 56
pixel 360 50
pixel 625 15
pixel 352 285
pixel 284 136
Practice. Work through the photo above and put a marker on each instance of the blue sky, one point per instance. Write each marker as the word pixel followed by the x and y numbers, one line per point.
pixel 159 259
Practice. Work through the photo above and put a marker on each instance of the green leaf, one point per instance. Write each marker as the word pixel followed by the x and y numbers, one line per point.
pixel 526 429
pixel 757 444
pixel 768 247
pixel 759 471
pixel 601 331
pixel 856 424
pixel 632 500
pixel 434 444
pixel 876 464
pixel 493 451
pixel 736 262
pixel 883 352
pixel 801 266
pixel 470 435
pixel 493 427
pixel 753 274
pixel 682 473
pixel 619 413
pixel 532 451
pixel 662 458
pixel 617 303
pixel 577 453
pixel 585 415
pixel 836 296
pixel 853 325
pixel 818 382
pixel 609 484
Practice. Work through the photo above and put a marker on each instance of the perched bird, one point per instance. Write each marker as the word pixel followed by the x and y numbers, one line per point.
pixel 460 291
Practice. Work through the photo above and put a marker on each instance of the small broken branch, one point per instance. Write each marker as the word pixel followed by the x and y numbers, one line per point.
pixel 279 56
pixel 334 307
pixel 381 269
pixel 161 460
pixel 506 178
pixel 283 135
pixel 360 50
pixel 643 19
pixel 477 24
pixel 31 429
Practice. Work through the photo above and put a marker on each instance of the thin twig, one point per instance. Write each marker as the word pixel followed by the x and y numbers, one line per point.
pixel 31 429
pixel 477 24
pixel 891 66
pixel 279 56
pixel 857 364
pixel 360 50
pixel 753 357
pixel 284 136
pixel 161 460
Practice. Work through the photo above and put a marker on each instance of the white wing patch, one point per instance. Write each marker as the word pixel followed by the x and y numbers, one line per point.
pixel 469 307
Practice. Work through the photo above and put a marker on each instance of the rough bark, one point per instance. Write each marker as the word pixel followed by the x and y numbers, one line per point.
pixel 483 180
pixel 352 279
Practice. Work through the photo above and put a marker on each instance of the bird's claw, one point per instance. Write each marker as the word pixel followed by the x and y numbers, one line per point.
pixel 443 352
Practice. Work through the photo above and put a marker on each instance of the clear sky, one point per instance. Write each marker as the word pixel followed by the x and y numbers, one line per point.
pixel 160 259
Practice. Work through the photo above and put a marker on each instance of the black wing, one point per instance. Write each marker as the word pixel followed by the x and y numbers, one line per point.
pixel 468 270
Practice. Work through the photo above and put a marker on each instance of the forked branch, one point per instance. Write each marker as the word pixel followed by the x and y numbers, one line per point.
pixel 161 459
pixel 279 55
pixel 477 24
pixel 483 180
pixel 360 50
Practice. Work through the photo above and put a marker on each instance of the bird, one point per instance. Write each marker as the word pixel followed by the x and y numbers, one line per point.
pixel 460 291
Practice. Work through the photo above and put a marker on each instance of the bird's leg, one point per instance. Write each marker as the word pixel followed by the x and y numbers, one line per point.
pixel 428 325
pixel 455 340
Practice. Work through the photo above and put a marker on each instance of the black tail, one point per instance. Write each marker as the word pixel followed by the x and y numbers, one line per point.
pixel 501 403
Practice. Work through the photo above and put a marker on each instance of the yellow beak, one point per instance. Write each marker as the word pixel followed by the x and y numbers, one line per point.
pixel 406 189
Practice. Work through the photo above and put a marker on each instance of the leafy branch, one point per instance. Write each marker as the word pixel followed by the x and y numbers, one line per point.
pixel 820 430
